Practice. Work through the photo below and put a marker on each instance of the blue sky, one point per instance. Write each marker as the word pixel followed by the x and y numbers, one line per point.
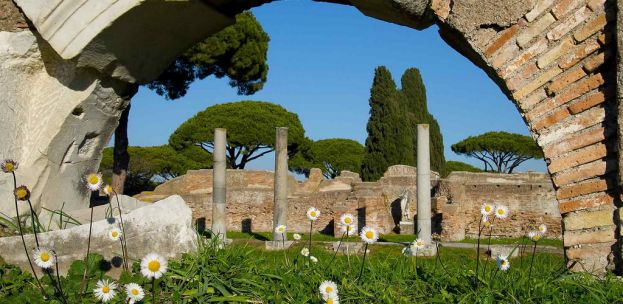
pixel 322 58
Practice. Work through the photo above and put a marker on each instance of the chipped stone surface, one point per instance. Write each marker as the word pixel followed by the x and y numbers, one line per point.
pixel 469 15
pixel 164 227
pixel 39 93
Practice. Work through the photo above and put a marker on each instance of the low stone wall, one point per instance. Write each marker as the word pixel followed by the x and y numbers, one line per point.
pixel 529 196
pixel 456 201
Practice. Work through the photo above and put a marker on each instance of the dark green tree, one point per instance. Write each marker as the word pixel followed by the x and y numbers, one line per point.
pixel 451 166
pixel 149 164
pixel 237 52
pixel 416 108
pixel 389 142
pixel 501 151
pixel 250 130
pixel 331 155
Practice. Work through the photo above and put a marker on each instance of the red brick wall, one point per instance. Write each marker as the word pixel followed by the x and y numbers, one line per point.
pixel 556 63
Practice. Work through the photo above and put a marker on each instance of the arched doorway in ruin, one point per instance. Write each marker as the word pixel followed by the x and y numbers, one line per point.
pixel 553 58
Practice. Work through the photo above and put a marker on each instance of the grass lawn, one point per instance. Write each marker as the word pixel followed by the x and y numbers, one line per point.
pixel 398 238
pixel 245 273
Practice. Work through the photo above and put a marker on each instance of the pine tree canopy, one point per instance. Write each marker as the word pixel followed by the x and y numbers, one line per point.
pixel 500 151
pixel 250 130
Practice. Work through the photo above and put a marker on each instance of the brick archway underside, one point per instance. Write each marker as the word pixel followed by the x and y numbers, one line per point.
pixel 555 59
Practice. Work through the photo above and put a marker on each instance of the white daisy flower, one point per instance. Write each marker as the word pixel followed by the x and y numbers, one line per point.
pixel 331 299
pixel 313 214
pixel 114 234
pixel 281 229
pixel 486 221
pixel 305 252
pixel 328 288
pixel 153 266
pixel 369 235
pixel 535 236
pixel 486 209
pixel 347 219
pixel 44 258
pixel 93 181
pixel 351 229
pixel 503 262
pixel 105 290
pixel 407 251
pixel 108 190
pixel 542 228
pixel 501 211
pixel 313 259
pixel 417 245
pixel 296 237
pixel 134 293
pixel 9 166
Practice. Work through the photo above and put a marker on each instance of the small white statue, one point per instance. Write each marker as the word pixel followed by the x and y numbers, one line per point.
pixel 404 206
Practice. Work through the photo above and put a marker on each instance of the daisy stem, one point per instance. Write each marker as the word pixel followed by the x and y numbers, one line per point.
pixel 478 249
pixel 532 261
pixel 21 233
pixel 441 261
pixel 311 225
pixel 365 252
pixel 484 270
pixel 493 276
pixel 522 249
pixel 32 219
pixel 85 283
pixel 58 281
pixel 283 244
pixel 153 290
pixel 416 276
pixel 338 249
pixel 124 244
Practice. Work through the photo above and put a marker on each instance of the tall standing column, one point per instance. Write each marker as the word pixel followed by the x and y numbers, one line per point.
pixel 219 212
pixel 423 184
pixel 280 209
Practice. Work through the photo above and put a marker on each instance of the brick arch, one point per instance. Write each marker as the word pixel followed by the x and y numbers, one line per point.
pixel 555 62
pixel 553 58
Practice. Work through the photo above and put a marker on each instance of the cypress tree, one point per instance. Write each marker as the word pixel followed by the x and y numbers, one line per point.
pixel 387 143
pixel 413 99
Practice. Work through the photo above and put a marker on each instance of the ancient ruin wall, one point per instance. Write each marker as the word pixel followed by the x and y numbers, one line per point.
pixel 530 197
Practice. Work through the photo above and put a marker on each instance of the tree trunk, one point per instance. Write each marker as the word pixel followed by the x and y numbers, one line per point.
pixel 121 157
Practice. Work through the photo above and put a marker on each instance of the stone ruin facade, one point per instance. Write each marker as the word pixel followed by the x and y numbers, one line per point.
pixel 69 68
pixel 455 206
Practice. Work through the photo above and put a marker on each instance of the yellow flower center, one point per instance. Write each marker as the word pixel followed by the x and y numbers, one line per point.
pixel 115 234
pixel 348 220
pixel 369 234
pixel 109 189
pixel 328 289
pixel 488 208
pixel 44 256
pixel 501 211
pixel 21 193
pixel 537 237
pixel 313 213
pixel 153 266
pixel 419 243
pixel 105 289
pixel 93 179
pixel 9 167
pixel 330 301
pixel 134 291
pixel 541 228
pixel 503 263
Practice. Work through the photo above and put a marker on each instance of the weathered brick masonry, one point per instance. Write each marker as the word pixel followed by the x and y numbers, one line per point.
pixel 456 205
pixel 555 60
